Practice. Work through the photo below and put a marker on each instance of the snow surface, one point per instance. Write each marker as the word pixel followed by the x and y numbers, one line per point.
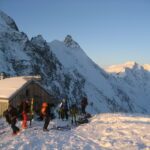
pixel 104 132
pixel 146 67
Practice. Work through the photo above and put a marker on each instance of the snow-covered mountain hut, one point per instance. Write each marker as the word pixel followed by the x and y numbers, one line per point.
pixel 17 89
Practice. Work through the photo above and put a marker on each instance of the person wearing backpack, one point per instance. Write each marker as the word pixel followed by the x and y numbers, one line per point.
pixel 7 116
pixel 45 113
pixel 11 117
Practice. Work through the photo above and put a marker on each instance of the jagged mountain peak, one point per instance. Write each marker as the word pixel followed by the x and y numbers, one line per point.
pixel 69 42
pixel 38 40
pixel 5 20
pixel 131 63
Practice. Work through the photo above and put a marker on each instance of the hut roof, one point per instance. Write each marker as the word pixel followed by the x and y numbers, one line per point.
pixel 10 86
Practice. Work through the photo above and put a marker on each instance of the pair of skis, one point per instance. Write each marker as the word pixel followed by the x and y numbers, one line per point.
pixel 61 128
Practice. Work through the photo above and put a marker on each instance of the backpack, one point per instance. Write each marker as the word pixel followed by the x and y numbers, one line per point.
pixel 82 120
pixel 7 116
pixel 52 116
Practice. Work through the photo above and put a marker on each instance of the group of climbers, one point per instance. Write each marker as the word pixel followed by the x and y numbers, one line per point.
pixel 25 111
pixel 73 110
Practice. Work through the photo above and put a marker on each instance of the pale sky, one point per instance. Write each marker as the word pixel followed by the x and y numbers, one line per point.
pixel 109 31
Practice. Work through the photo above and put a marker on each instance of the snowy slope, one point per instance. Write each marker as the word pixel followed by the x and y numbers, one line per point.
pixel 134 80
pixel 96 79
pixel 12 43
pixel 128 93
pixel 74 58
pixel 104 132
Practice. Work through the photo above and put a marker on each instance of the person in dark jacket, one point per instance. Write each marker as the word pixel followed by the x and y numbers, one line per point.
pixel 65 105
pixel 12 114
pixel 46 114
pixel 84 103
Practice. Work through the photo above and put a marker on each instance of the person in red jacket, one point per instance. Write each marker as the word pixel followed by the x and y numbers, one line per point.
pixel 84 103
pixel 25 110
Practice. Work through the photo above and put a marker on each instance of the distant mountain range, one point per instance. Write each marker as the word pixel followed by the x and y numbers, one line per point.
pixel 121 67
pixel 67 71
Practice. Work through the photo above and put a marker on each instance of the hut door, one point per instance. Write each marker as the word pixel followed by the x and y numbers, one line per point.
pixel 37 103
